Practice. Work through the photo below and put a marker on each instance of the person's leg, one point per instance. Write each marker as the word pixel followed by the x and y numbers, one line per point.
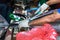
pixel 4 12
pixel 3 8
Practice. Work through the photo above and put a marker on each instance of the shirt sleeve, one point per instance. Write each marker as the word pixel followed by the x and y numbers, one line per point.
pixel 42 1
pixel 58 10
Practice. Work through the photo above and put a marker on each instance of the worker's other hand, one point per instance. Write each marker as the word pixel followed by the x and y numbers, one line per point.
pixel 24 23
pixel 51 2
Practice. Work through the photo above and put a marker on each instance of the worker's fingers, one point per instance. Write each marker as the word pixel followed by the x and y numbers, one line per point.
pixel 50 2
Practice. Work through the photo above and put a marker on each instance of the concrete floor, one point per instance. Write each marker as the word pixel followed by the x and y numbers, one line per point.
pixel 56 26
pixel 58 38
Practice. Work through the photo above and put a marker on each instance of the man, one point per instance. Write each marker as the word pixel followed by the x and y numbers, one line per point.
pixel 46 19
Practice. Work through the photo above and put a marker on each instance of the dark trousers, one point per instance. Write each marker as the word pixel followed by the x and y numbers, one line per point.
pixel 4 11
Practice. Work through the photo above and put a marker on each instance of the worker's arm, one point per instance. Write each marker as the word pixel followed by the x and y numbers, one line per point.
pixel 47 19
pixel 51 2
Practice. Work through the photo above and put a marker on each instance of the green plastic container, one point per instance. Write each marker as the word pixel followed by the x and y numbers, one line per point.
pixel 15 17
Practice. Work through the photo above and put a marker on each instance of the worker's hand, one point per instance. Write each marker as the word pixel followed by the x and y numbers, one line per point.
pixel 51 2
pixel 24 23
pixel 47 19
